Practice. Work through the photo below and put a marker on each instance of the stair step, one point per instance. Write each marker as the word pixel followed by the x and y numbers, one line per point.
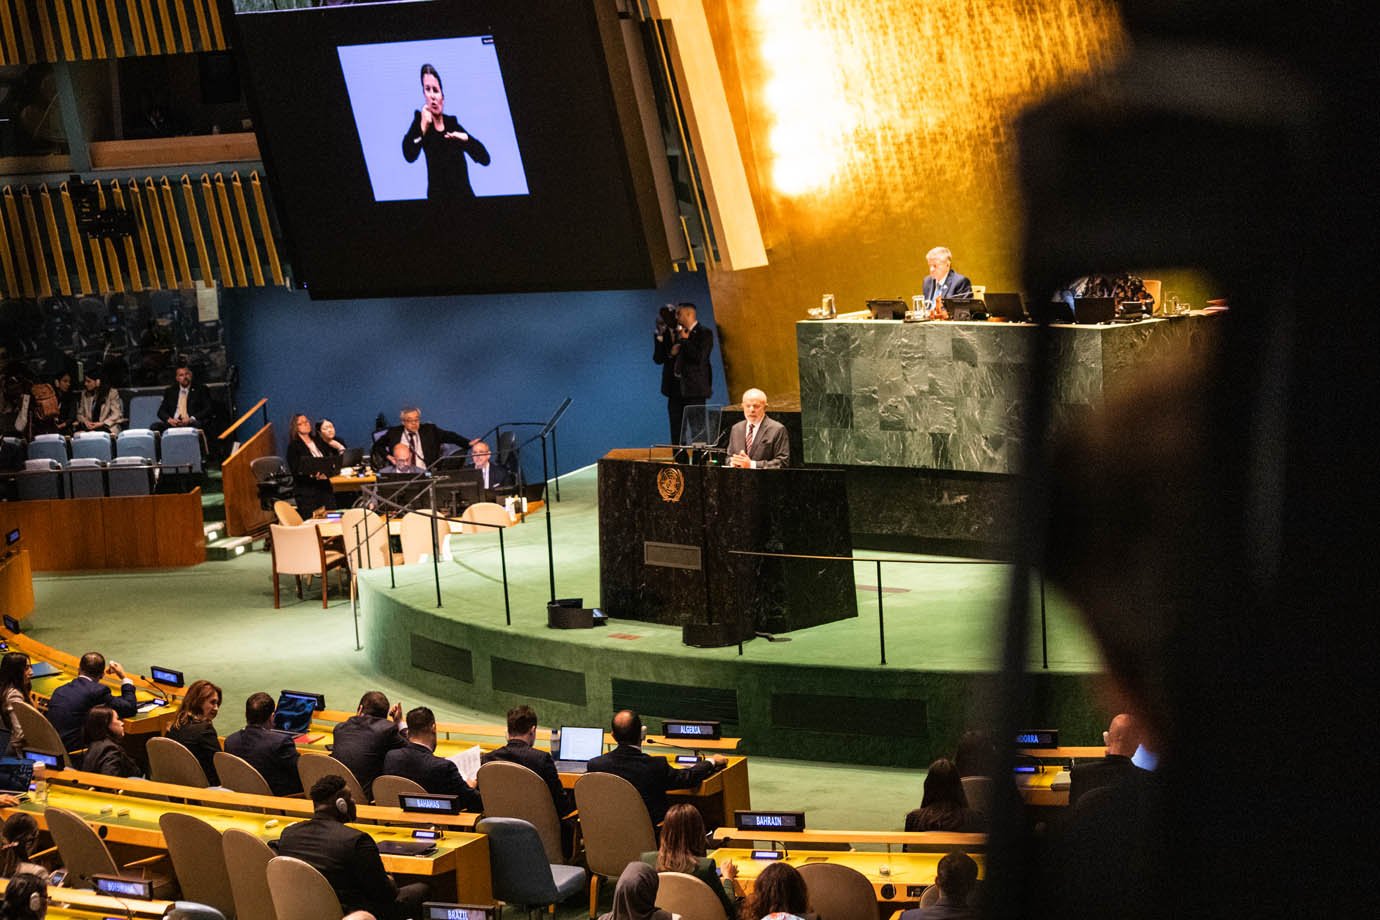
pixel 214 530
pixel 228 548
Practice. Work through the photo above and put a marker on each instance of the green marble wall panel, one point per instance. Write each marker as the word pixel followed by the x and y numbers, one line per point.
pixel 950 396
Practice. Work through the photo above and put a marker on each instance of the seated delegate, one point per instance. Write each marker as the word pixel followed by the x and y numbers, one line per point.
pixel 306 459
pixel 417 761
pixel 69 704
pixel 99 408
pixel 272 753
pixel 185 403
pixel 195 729
pixel 102 734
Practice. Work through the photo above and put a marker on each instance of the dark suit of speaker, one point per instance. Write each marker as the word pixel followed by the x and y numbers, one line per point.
pixel 498 476
pixel 434 774
pixel 430 436
pixel 651 776
pixel 362 742
pixel 71 702
pixel 272 753
pixel 955 285
pixel 771 444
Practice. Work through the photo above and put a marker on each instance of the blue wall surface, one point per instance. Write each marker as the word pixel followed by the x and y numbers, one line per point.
pixel 469 362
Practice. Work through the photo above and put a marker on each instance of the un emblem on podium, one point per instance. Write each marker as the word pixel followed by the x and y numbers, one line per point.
pixel 670 482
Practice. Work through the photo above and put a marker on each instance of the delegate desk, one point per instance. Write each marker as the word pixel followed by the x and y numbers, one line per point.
pixel 898 879
pixel 458 869
pixel 717 797
pixel 668 534
pixel 81 904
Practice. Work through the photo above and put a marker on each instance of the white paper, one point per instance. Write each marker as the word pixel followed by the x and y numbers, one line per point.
pixel 468 762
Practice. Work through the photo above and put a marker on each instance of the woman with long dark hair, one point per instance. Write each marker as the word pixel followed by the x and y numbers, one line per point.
pixel 683 849
pixel 311 485
pixel 26 898
pixel 103 730
pixel 15 687
pixel 99 408
pixel 18 841
pixel 445 142
pixel 194 727
pixel 944 806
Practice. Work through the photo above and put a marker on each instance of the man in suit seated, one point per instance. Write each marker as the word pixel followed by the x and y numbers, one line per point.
pixel 418 762
pixel 651 776
pixel 758 442
pixel 956 875
pixel 400 461
pixel 363 740
pixel 522 736
pixel 1122 737
pixel 185 403
pixel 270 752
pixel 69 704
pixel 423 439
pixel 349 859
pixel 494 474
pixel 943 283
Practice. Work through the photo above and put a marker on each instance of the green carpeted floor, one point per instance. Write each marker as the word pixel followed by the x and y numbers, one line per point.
pixel 217 621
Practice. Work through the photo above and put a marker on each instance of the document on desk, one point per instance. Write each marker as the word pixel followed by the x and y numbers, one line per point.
pixel 468 762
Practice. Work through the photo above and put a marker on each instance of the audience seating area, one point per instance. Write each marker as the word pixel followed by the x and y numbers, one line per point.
pixel 93 464
pixel 210 844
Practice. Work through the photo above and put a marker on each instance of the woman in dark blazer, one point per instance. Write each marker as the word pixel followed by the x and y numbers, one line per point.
pixel 103 731
pixel 311 486
pixel 194 728
pixel 445 142
pixel 683 849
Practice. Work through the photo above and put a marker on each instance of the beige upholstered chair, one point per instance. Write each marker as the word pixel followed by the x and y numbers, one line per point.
pixel 39 734
pixel 300 892
pixel 387 788
pixel 170 762
pixel 239 775
pixel 85 855
pixel 510 790
pixel 839 892
pixel 287 515
pixel 246 859
pixel 300 551
pixel 366 538
pixel 616 827
pixel 484 513
pixel 414 532
pixel 198 858
pixel 311 767
pixel 689 897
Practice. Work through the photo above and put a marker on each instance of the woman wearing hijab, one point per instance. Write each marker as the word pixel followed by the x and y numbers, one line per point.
pixel 635 896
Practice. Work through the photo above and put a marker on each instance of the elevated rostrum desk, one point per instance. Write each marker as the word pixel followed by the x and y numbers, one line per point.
pixel 669 536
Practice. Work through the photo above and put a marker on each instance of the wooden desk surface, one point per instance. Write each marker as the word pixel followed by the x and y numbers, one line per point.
pixel 272 806
pixel 153 722
pixel 938 841
pixel 1089 752
pixel 909 874
pixel 80 904
pixel 134 821
pixel 1035 788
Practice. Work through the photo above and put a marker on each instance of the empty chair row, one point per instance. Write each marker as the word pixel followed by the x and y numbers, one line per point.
pixel 176 446
pixel 85 478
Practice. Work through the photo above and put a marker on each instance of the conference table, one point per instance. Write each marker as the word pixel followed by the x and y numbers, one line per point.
pixel 146 722
pixel 81 904
pixel 458 869
pixel 717 797
pixel 898 879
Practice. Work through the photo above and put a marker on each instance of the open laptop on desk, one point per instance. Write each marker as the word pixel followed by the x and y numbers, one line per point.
pixel 1088 311
pixel 577 747
pixel 1006 306
pixel 43 669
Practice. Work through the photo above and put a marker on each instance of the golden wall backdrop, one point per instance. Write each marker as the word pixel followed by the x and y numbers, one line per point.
pixel 873 130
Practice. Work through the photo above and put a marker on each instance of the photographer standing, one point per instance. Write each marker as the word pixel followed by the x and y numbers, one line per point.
pixel 682 349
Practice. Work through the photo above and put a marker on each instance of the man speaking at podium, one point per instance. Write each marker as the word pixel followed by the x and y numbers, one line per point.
pixel 757 442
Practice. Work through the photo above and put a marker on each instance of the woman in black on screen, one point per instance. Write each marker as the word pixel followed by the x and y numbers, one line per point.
pixel 445 142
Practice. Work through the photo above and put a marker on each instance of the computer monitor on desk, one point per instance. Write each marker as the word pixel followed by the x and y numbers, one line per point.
pixel 402 488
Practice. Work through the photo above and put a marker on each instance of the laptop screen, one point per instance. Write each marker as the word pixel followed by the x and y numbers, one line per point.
pixel 15 775
pixel 580 743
